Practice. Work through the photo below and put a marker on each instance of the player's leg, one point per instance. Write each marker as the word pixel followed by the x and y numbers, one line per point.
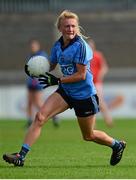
pixel 116 102
pixel 29 107
pixel 105 112
pixel 89 134
pixel 53 105
pixel 55 120
pixel 38 103
pixel 38 99
pixel 103 106
pixel 34 100
pixel 85 111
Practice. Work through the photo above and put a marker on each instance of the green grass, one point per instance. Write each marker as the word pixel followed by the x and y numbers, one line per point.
pixel 61 153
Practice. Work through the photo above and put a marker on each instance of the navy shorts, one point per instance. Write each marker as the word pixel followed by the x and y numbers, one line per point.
pixel 33 84
pixel 82 108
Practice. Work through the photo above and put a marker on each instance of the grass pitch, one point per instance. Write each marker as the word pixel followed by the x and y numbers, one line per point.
pixel 61 153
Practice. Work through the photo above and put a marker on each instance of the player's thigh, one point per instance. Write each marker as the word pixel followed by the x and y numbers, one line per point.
pixel 85 111
pixel 87 124
pixel 53 105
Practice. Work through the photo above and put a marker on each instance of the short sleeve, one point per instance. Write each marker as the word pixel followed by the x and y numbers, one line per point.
pixel 83 54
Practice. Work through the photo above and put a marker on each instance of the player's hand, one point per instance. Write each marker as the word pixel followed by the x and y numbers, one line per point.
pixel 48 80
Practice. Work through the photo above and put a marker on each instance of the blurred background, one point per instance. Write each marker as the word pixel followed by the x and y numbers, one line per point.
pixel 111 23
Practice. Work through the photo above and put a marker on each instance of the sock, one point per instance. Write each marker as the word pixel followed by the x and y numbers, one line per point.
pixel 55 121
pixel 29 121
pixel 24 150
pixel 115 144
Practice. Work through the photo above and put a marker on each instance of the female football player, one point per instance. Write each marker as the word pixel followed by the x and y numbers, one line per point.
pixel 76 90
pixel 99 68
pixel 34 89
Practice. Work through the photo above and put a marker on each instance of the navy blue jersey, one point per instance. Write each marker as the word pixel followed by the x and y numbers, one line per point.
pixel 77 52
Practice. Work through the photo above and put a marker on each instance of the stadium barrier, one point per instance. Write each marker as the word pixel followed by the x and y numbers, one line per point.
pixel 13 100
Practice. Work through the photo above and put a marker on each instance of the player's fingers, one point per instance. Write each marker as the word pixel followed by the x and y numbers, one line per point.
pixel 42 82
pixel 42 79
pixel 42 76
pixel 47 73
pixel 45 86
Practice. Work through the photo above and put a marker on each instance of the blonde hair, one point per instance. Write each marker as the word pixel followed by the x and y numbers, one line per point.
pixel 68 14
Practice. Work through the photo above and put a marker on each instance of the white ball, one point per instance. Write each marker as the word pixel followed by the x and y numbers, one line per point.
pixel 37 65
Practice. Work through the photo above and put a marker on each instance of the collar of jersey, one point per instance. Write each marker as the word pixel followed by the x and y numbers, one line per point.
pixel 71 42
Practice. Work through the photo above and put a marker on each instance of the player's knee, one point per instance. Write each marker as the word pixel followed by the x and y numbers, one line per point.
pixel 88 137
pixel 40 119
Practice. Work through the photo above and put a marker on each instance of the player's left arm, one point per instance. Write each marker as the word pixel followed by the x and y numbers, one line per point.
pixel 50 80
